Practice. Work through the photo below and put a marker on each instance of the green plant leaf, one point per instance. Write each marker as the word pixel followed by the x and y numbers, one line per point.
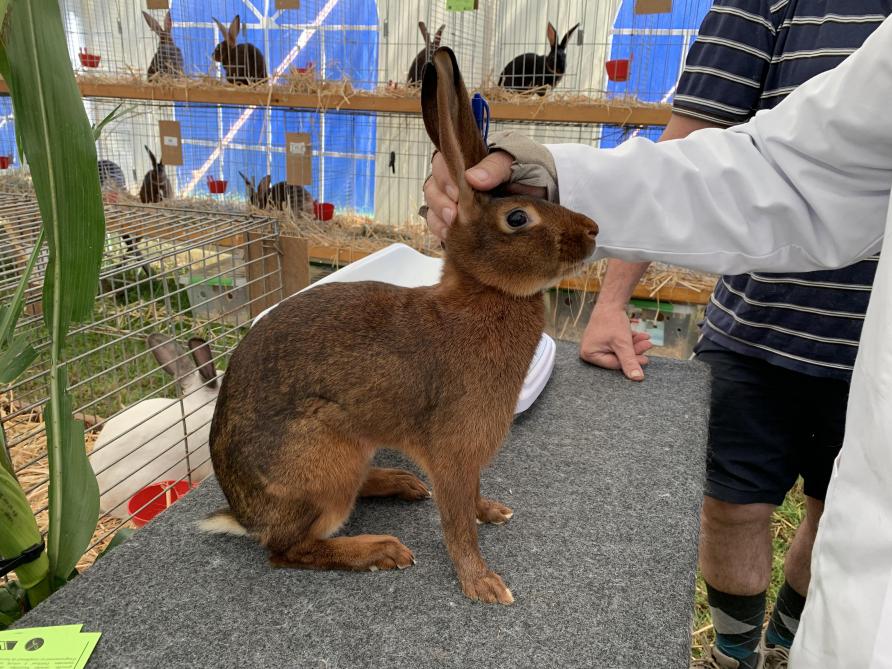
pixel 18 531
pixel 73 493
pixel 12 604
pixel 58 144
pixel 9 315
pixel 16 359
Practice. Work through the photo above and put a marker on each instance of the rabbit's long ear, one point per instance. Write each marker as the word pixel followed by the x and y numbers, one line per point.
pixel 438 36
pixel 220 27
pixel 249 183
pixel 449 120
pixel 234 28
pixel 567 36
pixel 551 33
pixel 204 360
pixel 168 22
pixel 424 34
pixel 152 158
pixel 170 355
pixel 263 186
pixel 153 24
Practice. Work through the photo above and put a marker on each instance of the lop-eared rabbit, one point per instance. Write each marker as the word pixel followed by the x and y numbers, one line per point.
pixel 333 374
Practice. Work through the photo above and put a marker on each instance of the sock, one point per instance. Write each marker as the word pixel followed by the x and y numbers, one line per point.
pixel 737 620
pixel 785 619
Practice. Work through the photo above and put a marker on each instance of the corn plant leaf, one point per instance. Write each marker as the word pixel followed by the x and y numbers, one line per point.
pixel 9 313
pixel 73 493
pixel 16 359
pixel 57 141
pixel 18 531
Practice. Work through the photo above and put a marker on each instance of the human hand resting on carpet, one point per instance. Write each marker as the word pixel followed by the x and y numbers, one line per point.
pixel 525 165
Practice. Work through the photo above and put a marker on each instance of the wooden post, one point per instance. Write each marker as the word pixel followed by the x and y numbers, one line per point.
pixel 295 259
pixel 263 281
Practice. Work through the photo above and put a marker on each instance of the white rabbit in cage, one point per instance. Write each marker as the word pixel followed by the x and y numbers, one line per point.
pixel 149 441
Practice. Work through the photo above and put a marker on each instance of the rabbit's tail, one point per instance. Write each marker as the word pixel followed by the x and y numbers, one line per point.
pixel 223 522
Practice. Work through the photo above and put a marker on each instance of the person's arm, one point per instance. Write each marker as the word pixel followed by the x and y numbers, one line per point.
pixel 801 187
pixel 608 340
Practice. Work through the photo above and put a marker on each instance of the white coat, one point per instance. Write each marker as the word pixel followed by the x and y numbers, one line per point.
pixel 804 186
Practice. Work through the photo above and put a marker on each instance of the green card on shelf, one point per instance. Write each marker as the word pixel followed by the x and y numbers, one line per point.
pixel 60 647
pixel 461 5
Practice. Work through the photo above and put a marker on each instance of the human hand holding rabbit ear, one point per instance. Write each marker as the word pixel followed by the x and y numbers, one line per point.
pixel 525 165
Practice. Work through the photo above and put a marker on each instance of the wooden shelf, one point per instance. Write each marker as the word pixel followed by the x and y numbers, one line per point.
pixel 344 255
pixel 595 111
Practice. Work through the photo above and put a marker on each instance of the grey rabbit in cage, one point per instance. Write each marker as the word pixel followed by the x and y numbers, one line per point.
pixel 168 59
pixel 424 56
pixel 280 195
pixel 243 63
pixel 530 71
pixel 111 176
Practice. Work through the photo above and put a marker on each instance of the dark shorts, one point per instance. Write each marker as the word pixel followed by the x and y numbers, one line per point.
pixel 769 425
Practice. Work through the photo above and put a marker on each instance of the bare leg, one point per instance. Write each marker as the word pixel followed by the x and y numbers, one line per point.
pixel 735 546
pixel 797 565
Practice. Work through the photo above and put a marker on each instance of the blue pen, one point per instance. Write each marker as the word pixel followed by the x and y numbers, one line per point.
pixel 481 114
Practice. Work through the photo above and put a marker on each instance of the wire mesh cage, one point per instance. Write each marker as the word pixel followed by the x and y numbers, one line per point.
pixel 176 274
pixel 373 44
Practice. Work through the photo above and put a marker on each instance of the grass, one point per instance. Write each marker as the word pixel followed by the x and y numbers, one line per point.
pixel 783 527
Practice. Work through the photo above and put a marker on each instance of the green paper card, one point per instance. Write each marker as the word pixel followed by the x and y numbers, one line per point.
pixel 61 647
pixel 461 5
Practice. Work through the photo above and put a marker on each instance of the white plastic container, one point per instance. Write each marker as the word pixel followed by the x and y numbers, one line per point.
pixel 403 266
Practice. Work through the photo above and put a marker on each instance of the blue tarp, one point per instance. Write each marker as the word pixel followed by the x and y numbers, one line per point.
pixel 656 59
pixel 349 53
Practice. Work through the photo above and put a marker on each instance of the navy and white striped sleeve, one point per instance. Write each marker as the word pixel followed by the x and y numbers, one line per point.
pixel 726 67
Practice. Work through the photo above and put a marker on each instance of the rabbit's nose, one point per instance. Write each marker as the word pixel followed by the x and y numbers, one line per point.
pixel 592 230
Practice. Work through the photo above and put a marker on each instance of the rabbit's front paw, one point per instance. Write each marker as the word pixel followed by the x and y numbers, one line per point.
pixel 491 511
pixel 488 588
pixel 394 483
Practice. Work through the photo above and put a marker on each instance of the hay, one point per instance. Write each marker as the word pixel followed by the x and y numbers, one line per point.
pixel 307 82
pixel 32 469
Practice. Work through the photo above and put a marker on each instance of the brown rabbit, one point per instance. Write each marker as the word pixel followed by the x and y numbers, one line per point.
pixel 333 374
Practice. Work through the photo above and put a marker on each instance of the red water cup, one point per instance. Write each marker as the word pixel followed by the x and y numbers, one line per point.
pixel 5 162
pixel 217 186
pixel 153 499
pixel 618 70
pixel 323 211
pixel 89 59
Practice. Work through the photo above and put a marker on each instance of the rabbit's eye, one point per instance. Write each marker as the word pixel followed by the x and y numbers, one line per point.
pixel 517 218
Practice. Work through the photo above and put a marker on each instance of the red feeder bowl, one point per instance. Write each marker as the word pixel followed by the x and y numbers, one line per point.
pixel 5 162
pixel 89 59
pixel 153 499
pixel 323 211
pixel 217 186
pixel 618 70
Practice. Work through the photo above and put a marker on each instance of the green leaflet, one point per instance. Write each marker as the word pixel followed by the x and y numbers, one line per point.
pixel 18 531
pixel 74 493
pixel 58 144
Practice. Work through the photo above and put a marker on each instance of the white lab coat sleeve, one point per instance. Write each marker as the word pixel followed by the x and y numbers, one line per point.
pixel 804 186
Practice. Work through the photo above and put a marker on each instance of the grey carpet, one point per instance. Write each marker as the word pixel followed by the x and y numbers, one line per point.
pixel 605 478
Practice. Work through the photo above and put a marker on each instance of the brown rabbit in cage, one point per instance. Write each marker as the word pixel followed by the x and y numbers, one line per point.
pixel 242 63
pixel 335 373
pixel 424 56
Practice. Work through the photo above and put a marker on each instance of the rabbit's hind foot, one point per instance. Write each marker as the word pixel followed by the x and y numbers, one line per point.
pixel 382 482
pixel 492 512
pixel 365 552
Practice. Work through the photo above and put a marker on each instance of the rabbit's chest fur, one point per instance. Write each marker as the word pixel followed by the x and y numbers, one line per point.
pixel 392 365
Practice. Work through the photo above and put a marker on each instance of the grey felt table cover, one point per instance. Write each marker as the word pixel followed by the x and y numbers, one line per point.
pixel 605 477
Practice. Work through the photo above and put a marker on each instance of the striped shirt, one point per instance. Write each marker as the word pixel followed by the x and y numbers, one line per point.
pixel 748 56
